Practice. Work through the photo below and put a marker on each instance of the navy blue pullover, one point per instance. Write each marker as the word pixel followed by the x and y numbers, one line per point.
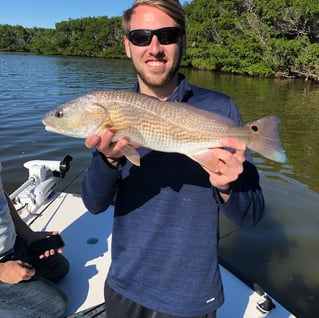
pixel 165 230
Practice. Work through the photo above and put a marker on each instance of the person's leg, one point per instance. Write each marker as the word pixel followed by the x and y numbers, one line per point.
pixel 32 299
pixel 52 268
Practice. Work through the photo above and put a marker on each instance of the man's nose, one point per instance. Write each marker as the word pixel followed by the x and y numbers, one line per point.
pixel 155 45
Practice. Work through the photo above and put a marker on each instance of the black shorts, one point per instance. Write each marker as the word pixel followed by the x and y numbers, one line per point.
pixel 117 306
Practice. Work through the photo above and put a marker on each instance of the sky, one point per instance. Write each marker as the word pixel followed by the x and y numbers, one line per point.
pixel 45 13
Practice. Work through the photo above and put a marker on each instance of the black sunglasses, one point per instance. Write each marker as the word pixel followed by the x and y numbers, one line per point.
pixel 143 37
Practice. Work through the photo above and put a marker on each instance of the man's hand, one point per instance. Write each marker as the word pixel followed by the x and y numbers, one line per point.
pixel 13 272
pixel 229 165
pixel 111 150
pixel 37 236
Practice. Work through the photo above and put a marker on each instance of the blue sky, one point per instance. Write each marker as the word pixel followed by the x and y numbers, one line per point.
pixel 45 13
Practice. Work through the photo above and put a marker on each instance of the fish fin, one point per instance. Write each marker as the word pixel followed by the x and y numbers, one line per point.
pixel 108 124
pixel 266 139
pixel 131 154
pixel 119 127
pixel 205 158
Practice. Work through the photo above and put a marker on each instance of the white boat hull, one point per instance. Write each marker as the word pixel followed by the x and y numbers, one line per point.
pixel 88 244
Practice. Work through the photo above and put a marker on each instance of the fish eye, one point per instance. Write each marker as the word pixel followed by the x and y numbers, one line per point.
pixel 59 114
pixel 254 128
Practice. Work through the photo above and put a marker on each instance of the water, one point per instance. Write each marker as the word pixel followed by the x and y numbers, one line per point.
pixel 281 253
pixel 31 86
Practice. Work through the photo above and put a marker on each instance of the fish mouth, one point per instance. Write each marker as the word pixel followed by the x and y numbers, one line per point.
pixel 50 129
pixel 61 132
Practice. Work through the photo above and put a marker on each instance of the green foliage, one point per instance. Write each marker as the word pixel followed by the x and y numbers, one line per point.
pixel 254 37
pixel 14 38
pixel 97 37
pixel 307 62
pixel 89 36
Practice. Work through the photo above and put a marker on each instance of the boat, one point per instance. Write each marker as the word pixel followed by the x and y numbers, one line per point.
pixel 87 240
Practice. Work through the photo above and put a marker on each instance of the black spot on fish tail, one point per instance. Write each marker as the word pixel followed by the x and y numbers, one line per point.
pixel 266 140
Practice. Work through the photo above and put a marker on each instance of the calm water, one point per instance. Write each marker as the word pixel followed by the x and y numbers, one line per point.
pixel 281 253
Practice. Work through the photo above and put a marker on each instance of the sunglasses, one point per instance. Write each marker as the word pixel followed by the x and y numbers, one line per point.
pixel 143 37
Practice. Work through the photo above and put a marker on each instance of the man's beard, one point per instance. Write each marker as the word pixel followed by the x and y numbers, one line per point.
pixel 157 81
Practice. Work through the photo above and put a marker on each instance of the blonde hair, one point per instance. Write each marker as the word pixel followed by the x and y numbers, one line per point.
pixel 172 8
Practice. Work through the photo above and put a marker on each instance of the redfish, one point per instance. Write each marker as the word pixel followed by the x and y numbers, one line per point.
pixel 160 125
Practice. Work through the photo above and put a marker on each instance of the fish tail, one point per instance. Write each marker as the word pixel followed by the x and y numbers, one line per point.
pixel 266 139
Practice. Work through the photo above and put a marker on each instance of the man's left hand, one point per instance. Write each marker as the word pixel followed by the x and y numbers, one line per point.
pixel 229 165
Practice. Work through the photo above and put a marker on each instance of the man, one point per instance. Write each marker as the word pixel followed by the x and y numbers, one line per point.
pixel 165 232
pixel 25 278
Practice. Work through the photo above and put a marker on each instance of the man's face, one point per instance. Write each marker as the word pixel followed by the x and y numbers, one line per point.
pixel 156 64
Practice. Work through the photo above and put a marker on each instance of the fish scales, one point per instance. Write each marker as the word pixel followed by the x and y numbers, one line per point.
pixel 160 125
pixel 180 128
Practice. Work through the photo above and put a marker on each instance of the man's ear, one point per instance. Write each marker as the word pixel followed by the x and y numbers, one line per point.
pixel 127 46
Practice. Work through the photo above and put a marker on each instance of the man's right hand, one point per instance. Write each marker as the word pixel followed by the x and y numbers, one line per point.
pixel 105 145
pixel 110 150
pixel 13 272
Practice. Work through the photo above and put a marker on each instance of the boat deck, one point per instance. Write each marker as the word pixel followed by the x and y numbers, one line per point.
pixel 87 240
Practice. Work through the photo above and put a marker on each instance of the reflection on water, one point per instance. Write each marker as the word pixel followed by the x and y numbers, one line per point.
pixel 281 252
